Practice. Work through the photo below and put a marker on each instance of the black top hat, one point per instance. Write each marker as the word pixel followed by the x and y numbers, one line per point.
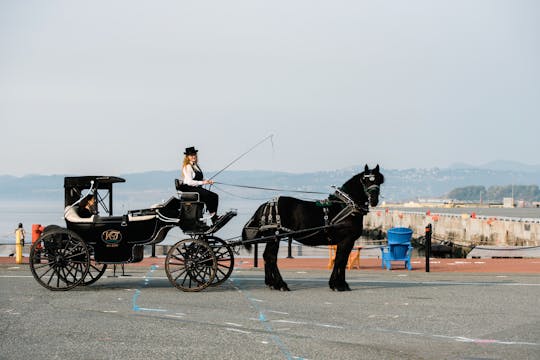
pixel 191 151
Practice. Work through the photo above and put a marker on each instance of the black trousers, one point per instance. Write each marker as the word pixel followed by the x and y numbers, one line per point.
pixel 210 198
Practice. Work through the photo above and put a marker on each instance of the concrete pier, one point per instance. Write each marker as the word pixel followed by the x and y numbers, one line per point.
pixel 462 229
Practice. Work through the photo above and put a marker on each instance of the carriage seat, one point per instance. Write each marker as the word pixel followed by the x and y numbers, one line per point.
pixel 132 218
pixel 178 184
pixel 189 196
pixel 185 196
pixel 71 214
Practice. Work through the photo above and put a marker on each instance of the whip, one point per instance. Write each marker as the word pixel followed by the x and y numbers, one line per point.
pixel 244 154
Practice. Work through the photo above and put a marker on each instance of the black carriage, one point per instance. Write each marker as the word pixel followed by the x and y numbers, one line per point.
pixel 78 254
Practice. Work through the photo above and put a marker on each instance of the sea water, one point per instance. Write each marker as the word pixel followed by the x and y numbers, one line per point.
pixel 51 212
pixel 27 212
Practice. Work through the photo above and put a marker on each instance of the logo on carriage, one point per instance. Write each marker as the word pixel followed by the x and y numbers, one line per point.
pixel 111 237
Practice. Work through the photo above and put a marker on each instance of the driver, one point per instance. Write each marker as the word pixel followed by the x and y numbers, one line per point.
pixel 192 178
pixel 87 206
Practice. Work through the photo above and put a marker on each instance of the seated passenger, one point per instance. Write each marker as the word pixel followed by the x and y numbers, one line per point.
pixel 87 207
pixel 193 180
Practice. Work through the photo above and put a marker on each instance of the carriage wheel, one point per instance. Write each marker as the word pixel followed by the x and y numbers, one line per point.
pixel 224 257
pixel 191 265
pixel 59 259
pixel 95 271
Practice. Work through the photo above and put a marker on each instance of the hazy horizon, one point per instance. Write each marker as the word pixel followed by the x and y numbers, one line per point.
pixel 357 166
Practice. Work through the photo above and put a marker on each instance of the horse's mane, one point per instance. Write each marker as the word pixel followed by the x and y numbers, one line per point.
pixel 354 188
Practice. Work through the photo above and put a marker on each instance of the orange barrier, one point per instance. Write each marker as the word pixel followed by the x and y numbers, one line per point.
pixel 332 255
pixel 354 257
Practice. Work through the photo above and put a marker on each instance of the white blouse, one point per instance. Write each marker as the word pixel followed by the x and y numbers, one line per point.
pixel 188 174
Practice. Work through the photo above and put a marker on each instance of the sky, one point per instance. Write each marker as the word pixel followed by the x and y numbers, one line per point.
pixel 116 87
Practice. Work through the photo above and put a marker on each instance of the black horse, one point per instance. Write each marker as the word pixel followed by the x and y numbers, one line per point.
pixel 336 220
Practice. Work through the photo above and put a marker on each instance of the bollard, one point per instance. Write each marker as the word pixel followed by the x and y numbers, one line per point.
pixel 428 245
pixel 256 256
pixel 18 246
pixel 153 250
pixel 289 250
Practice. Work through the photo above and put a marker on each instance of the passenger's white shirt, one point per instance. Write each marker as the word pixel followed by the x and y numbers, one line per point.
pixel 188 174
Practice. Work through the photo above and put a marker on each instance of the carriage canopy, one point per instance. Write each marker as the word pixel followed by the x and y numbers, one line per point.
pixel 75 185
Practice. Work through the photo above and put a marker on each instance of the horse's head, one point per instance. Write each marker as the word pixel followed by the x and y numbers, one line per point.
pixel 365 187
pixel 371 181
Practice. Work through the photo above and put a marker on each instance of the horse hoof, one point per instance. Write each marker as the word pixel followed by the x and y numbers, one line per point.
pixel 282 287
pixel 279 287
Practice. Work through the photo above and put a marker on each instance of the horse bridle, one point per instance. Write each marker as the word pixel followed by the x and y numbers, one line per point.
pixel 370 190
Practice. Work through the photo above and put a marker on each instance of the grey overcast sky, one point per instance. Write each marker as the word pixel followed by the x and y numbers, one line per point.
pixel 113 87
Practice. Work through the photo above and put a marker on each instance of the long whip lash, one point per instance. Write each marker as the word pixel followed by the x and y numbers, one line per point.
pixel 245 153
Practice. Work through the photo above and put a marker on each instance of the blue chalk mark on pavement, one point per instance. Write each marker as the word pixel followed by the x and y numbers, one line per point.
pixel 136 307
pixel 266 324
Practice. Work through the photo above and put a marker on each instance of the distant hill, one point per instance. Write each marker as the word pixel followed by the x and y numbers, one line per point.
pixel 530 193
pixel 400 185
pixel 500 165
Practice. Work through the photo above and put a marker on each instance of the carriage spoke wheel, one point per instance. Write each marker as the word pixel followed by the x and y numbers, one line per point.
pixel 95 271
pixel 224 257
pixel 191 265
pixel 59 259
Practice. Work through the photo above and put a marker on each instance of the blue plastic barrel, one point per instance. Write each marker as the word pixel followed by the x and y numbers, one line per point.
pixel 399 235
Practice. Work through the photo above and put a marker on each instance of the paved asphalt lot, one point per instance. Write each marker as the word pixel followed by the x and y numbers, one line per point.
pixel 388 315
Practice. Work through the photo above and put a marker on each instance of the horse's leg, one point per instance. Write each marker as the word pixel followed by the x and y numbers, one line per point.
pixel 337 279
pixel 272 277
pixel 269 263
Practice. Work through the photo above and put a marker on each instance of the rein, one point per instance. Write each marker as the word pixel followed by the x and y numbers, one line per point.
pixel 271 189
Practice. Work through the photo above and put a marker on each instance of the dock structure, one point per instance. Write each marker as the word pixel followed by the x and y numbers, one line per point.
pixel 464 229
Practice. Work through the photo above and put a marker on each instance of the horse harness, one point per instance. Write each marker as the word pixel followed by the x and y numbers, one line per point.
pixel 270 218
pixel 369 190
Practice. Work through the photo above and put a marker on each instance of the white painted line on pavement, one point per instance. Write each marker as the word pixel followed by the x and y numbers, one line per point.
pixel 234 324
pixel 238 330
pixel 277 312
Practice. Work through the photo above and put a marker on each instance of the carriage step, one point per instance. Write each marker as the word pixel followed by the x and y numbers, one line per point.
pixel 222 221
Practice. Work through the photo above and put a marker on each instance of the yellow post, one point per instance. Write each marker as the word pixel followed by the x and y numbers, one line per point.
pixel 18 246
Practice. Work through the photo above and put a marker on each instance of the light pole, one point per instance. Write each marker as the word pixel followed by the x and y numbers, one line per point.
pixel 513 182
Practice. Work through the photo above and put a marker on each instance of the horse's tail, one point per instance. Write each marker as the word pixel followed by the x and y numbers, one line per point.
pixel 245 237
pixel 252 228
